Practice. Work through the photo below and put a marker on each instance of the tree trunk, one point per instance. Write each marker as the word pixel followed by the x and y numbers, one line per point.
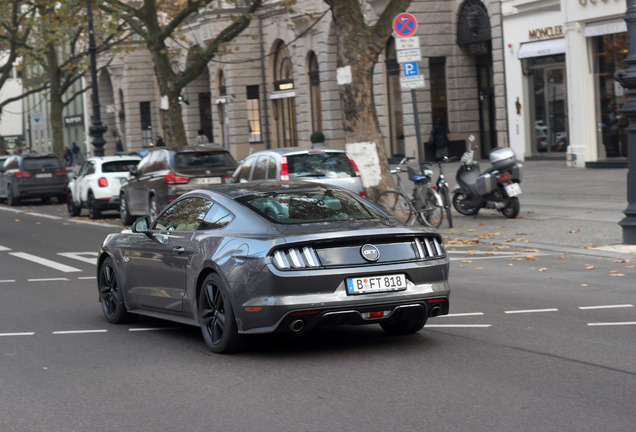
pixel 56 104
pixel 359 46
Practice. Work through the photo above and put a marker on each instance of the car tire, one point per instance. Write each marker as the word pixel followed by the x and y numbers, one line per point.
pixel 73 209
pixel 511 210
pixel 153 208
pixel 111 294
pixel 61 199
pixel 459 202
pixel 93 211
pixel 403 327
pixel 11 200
pixel 216 317
pixel 124 214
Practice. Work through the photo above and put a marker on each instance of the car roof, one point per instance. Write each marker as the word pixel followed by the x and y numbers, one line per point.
pixel 235 190
pixel 197 148
pixel 114 158
pixel 290 150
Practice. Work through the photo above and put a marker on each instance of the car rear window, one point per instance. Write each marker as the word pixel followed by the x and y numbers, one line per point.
pixel 118 166
pixel 312 206
pixel 196 161
pixel 320 164
pixel 30 164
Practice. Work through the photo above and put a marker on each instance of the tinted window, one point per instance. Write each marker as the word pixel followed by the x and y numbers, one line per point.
pixel 260 169
pixel 196 161
pixel 321 205
pixel 320 164
pixel 11 163
pixel 118 166
pixel 185 215
pixel 271 169
pixel 217 217
pixel 244 173
pixel 40 163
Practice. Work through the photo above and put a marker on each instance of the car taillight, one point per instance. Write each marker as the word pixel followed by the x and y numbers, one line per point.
pixel 22 174
pixel 102 182
pixel 63 172
pixel 355 167
pixel 172 178
pixel 284 169
pixel 504 177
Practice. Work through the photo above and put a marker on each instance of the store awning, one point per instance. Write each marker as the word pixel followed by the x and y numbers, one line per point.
pixel 542 48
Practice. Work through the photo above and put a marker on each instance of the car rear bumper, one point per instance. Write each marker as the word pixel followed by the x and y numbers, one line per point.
pixel 41 191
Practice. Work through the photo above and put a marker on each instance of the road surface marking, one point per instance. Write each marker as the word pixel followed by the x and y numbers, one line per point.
pixel 4 248
pixel 606 307
pixel 48 280
pixel 87 277
pixel 45 262
pixel 460 325
pixel 531 311
pixel 78 332
pixel 7 280
pixel 141 329
pixel 462 314
pixel 18 334
pixel 91 258
pixel 613 323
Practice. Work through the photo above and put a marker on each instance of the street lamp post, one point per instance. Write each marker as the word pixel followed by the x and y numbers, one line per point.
pixel 96 130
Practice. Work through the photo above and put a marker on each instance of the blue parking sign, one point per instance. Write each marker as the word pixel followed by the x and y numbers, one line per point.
pixel 410 69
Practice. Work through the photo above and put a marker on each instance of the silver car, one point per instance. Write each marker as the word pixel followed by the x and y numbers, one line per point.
pixel 268 257
pixel 322 165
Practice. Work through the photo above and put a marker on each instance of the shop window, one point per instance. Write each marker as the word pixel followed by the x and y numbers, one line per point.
pixel 254 114
pixel 439 102
pixel 146 124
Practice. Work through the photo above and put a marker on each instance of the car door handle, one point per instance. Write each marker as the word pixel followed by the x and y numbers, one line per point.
pixel 178 250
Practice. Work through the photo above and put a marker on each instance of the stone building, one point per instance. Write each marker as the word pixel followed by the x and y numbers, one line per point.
pixel 277 82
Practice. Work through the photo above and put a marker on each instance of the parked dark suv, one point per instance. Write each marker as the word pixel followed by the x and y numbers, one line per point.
pixel 32 176
pixel 164 174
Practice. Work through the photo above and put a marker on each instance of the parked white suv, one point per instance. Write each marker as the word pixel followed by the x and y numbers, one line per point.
pixel 96 185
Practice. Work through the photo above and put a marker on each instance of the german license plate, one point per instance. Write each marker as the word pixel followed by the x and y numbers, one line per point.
pixel 375 284
pixel 44 175
pixel 513 189
pixel 209 180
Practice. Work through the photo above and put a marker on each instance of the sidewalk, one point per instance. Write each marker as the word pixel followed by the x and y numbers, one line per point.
pixel 566 209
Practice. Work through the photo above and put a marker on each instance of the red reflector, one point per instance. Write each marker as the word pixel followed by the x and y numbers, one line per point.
pixel 379 314
pixel 284 169
pixel 309 312
pixel 102 182
pixel 506 176
pixel 435 300
pixel 22 174
pixel 172 178
pixel 283 200
pixel 363 193
pixel 63 171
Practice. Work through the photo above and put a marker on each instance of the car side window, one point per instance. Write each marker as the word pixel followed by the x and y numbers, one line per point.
pixel 184 215
pixel 217 218
pixel 11 163
pixel 143 164
pixel 155 163
pixel 260 168
pixel 91 168
pixel 271 169
pixel 244 173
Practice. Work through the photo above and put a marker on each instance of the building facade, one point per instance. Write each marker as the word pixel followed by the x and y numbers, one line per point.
pixel 562 98
pixel 277 82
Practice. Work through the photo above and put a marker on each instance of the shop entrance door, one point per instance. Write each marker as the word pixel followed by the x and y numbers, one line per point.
pixel 550 110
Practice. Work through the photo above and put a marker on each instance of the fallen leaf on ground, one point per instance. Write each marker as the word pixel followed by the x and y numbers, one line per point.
pixel 531 258
pixel 543 269
pixel 466 261
pixel 575 231
pixel 531 250
pixel 590 267
pixel 617 274
pixel 584 285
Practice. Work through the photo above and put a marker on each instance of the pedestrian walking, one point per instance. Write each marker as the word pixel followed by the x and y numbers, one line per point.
pixel 439 138
pixel 119 144
pixel 76 152
pixel 68 156
pixel 159 142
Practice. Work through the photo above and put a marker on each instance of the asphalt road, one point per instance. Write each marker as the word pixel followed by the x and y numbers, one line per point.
pixel 536 340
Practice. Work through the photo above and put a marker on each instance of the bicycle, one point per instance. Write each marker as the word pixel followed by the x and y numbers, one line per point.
pixel 425 204
pixel 441 185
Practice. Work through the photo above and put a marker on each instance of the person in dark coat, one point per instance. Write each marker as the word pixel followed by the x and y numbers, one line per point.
pixel 68 156
pixel 159 142
pixel 439 138
pixel 119 145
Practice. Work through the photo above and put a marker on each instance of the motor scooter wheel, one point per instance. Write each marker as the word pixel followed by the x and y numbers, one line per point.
pixel 459 202
pixel 511 210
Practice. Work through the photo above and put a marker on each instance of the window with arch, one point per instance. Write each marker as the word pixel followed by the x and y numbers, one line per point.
pixel 314 93
pixel 284 97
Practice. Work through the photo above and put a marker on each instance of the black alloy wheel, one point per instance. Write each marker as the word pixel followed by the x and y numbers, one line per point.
pixel 110 294
pixel 216 317
pixel 93 211
pixel 11 200
pixel 73 209
pixel 512 208
pixel 124 214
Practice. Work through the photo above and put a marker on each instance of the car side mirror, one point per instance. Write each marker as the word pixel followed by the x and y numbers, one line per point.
pixel 142 226
pixel 72 175
pixel 134 171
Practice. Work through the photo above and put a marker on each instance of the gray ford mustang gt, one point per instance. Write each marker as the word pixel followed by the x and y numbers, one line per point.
pixel 273 257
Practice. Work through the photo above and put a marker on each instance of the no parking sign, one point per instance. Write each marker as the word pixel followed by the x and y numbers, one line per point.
pixel 405 25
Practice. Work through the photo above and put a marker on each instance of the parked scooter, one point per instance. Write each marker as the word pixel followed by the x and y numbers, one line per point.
pixel 496 188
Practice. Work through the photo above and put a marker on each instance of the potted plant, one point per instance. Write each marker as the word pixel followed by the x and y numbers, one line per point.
pixel 317 138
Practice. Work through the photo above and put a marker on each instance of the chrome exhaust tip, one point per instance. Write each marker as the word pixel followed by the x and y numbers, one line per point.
pixel 435 311
pixel 296 325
